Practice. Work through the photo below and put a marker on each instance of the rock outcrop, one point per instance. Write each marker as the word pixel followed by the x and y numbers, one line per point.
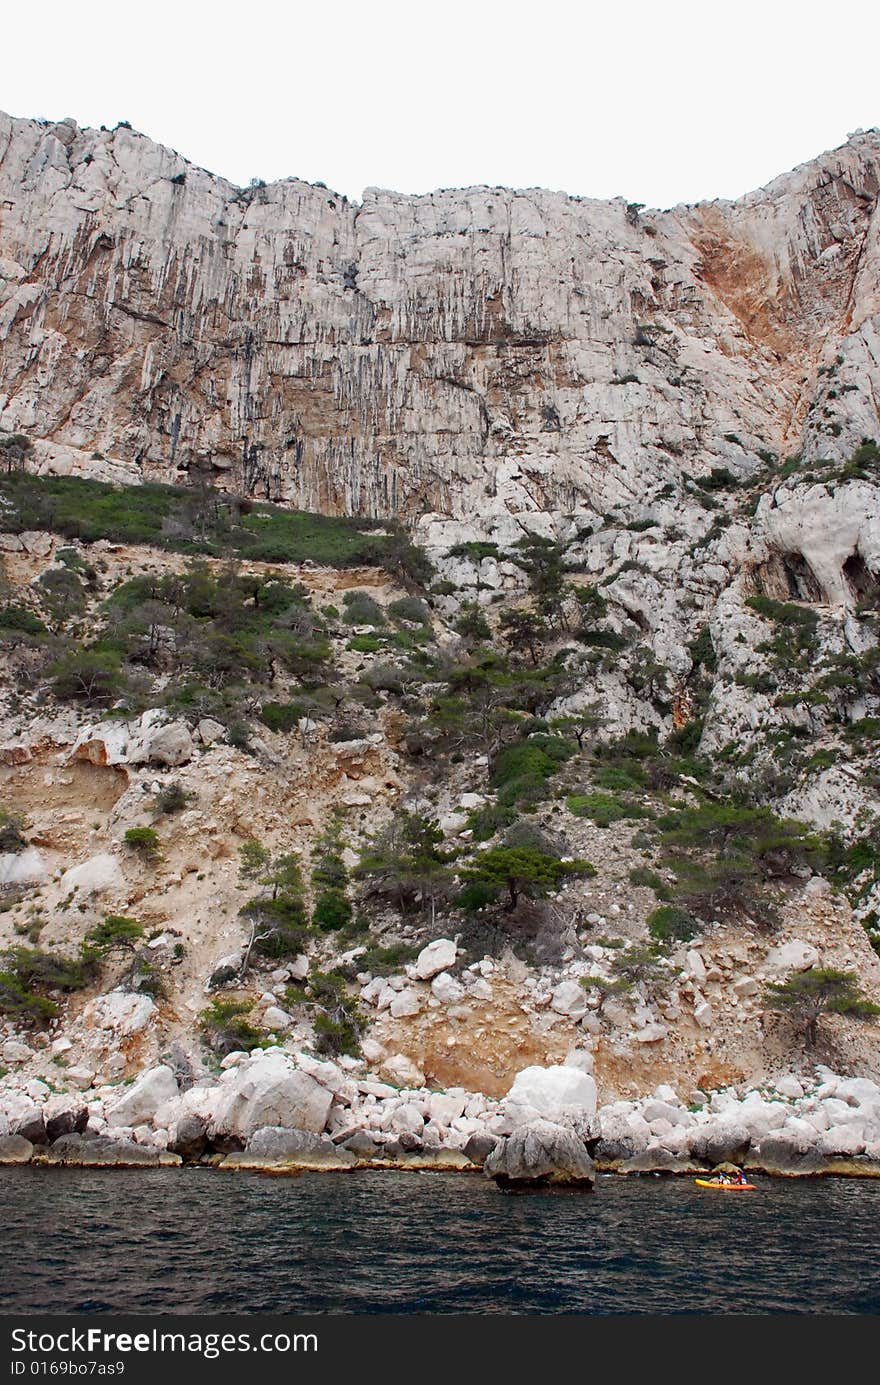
pixel 474 352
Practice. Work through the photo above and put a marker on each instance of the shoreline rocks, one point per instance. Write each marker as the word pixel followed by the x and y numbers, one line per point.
pixel 276 1110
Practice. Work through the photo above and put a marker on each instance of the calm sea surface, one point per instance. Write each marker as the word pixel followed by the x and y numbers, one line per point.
pixel 195 1241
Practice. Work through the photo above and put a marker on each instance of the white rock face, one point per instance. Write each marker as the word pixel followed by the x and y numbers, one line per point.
pixel 436 957
pixel 99 875
pixel 148 740
pixel 26 867
pixel 554 1090
pixel 626 327
pixel 140 1102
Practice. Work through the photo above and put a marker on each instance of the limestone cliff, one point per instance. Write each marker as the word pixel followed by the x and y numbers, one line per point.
pixel 473 352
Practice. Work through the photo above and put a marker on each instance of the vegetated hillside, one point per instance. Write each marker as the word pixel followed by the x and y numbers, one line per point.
pixel 254 760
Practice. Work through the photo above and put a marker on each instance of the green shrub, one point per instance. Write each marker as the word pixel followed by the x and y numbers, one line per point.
pixel 519 771
pixel 281 716
pixel 116 933
pixel 332 910
pixel 12 828
pixel 227 1027
pixel 364 644
pixel 172 798
pixel 362 609
pixel 20 620
pixel 143 840
pixel 603 808
pixel 87 675
pixel 382 960
pixel 19 1003
pixel 670 924
pixel 201 520
pixel 411 609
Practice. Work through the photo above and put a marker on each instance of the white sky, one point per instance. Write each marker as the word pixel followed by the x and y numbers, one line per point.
pixel 660 102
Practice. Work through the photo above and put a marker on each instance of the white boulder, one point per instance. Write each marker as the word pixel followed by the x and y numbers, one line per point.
pixel 447 990
pixel 23 867
pixel 269 1091
pixel 553 1091
pixel 795 955
pixel 141 1101
pixel 98 875
pixel 436 957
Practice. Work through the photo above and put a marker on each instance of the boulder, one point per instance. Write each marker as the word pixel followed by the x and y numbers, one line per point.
pixel 791 956
pixel 720 1142
pixel 26 867
pixel 102 1151
pixel 540 1153
pixel 140 1102
pixel 787 1153
pixel 271 1092
pixel 580 1058
pixel 361 1144
pixel 99 875
pixel 65 1115
pixel 277 1144
pixel 276 1018
pixel 447 990
pixel 444 1107
pixel 704 1014
pixel 22 1116
pixel 298 969
pixel 656 1110
pixel 436 957
pixel 13 1051
pixel 210 731
pixel 789 1086
pixel 226 969
pixel 15 1149
pixel 190 1138
pixel 478 1147
pixel 170 745
pixel 80 1076
pixel 405 1119
pixel 406 1003
pixel 331 1076
pixel 553 1091
pixel 569 998
pixel 841 1139
pixel 745 986
pixel 279 1148
pixel 695 966
pixel 402 1071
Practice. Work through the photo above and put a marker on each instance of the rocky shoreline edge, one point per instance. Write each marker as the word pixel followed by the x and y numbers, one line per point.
pixel 275 1112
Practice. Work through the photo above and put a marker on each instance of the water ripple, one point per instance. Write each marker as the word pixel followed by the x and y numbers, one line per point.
pixel 192 1242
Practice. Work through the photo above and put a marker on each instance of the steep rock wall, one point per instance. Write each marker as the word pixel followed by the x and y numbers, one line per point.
pixel 473 353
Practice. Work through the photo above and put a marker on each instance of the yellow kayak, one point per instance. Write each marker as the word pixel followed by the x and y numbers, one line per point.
pixel 725 1187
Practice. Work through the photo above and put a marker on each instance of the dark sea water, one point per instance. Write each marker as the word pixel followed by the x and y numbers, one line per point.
pixel 196 1241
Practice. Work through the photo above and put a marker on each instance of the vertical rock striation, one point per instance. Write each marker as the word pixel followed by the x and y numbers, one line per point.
pixel 475 352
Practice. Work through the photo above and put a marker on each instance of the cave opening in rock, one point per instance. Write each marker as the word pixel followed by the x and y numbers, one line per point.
pixel 860 579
